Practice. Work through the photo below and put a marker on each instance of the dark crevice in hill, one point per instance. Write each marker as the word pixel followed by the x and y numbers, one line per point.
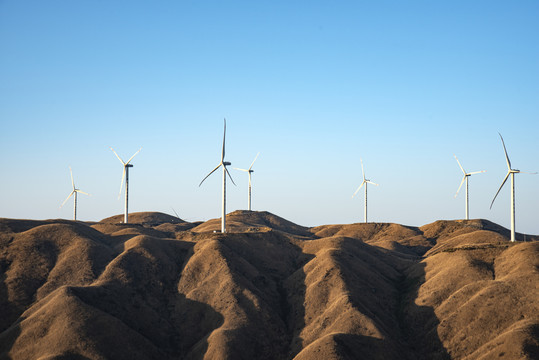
pixel 264 263
pixel 293 300
pixel 417 323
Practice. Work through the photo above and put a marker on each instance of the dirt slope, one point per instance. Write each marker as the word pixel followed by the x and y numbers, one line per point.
pixel 268 289
pixel 242 220
pixel 150 218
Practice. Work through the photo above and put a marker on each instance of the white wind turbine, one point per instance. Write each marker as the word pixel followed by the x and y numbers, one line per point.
pixel 224 164
pixel 365 182
pixel 465 179
pixel 249 171
pixel 125 176
pixel 74 192
pixel 511 172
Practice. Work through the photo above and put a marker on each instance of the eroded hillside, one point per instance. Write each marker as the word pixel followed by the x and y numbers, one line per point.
pixel 163 288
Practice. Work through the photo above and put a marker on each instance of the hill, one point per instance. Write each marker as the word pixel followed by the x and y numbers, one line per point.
pixel 149 218
pixel 162 288
pixel 243 220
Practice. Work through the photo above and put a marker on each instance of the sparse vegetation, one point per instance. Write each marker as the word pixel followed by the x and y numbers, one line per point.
pixel 162 288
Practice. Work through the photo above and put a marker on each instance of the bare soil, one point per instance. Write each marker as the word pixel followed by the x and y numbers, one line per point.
pixel 163 288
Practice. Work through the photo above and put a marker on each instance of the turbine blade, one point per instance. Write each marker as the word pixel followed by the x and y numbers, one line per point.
pixel 223 152
pixel 505 150
pixel 477 172
pixel 229 175
pixel 461 168
pixel 218 166
pixel 118 156
pixel 131 158
pixel 122 184
pixel 175 213
pixel 71 194
pixel 462 182
pixel 254 161
pixel 362 171
pixel 360 186
pixel 529 173
pixel 370 182
pixel 241 169
pixel 72 181
pixel 504 180
pixel 82 192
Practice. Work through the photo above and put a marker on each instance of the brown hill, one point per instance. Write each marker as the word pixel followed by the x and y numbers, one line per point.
pixel 148 218
pixel 401 239
pixel 268 289
pixel 243 220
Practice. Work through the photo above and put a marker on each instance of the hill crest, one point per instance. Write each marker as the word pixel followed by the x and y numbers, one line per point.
pixel 268 289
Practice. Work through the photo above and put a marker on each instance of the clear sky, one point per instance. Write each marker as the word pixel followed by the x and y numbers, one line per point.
pixel 312 85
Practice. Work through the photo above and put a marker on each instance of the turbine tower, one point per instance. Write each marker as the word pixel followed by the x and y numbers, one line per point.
pixel 511 172
pixel 365 182
pixel 249 171
pixel 74 192
pixel 125 176
pixel 465 179
pixel 224 164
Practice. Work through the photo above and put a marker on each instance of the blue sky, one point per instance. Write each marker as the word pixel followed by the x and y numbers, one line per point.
pixel 312 85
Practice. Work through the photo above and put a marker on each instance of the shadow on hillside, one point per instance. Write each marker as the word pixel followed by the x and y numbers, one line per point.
pixel 350 346
pixel 9 312
pixel 151 304
pixel 143 296
pixel 279 283
pixel 418 324
pixel 24 288
pixel 380 291
pixel 294 299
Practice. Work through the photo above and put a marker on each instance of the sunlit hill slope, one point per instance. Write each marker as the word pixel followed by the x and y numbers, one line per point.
pixel 164 288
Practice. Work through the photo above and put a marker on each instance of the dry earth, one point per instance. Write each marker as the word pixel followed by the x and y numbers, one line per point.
pixel 163 288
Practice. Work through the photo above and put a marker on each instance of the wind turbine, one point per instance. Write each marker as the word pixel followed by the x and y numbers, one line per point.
pixel 511 172
pixel 125 175
pixel 224 164
pixel 465 178
pixel 365 182
pixel 249 171
pixel 74 192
